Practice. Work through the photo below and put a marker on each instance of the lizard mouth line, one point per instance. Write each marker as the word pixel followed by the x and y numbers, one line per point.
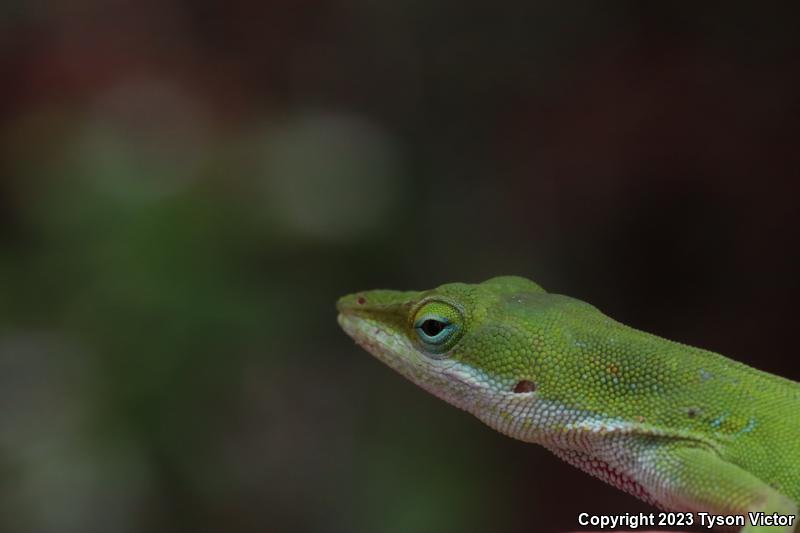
pixel 387 347
pixel 358 329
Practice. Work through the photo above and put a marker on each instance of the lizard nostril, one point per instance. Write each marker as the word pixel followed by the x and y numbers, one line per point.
pixel 361 300
pixel 525 386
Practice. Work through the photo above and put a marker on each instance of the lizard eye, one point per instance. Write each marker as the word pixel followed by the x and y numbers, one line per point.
pixel 437 325
pixel 434 330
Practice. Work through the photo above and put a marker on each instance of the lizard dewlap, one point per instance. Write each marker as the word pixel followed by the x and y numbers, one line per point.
pixel 682 428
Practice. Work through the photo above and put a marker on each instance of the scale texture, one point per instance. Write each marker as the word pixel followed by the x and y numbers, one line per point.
pixel 682 428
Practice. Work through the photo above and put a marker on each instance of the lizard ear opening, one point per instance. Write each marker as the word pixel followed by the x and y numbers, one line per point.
pixel 525 386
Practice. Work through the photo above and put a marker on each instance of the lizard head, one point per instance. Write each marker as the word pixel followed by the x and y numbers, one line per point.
pixel 461 342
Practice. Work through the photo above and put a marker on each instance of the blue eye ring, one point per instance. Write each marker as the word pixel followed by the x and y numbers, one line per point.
pixel 434 330
pixel 437 326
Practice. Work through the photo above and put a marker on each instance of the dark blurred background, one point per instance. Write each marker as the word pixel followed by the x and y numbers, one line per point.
pixel 187 187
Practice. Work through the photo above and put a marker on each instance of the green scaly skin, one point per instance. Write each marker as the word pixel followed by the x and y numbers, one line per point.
pixel 682 428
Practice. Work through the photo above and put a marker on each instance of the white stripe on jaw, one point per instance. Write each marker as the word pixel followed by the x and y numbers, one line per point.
pixel 521 415
pixel 469 375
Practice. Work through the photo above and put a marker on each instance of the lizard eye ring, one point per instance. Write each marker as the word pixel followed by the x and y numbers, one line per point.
pixel 437 326
pixel 434 329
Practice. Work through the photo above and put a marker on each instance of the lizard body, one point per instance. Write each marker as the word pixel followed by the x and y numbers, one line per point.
pixel 680 427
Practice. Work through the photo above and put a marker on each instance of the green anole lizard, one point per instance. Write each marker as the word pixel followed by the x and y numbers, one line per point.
pixel 682 428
